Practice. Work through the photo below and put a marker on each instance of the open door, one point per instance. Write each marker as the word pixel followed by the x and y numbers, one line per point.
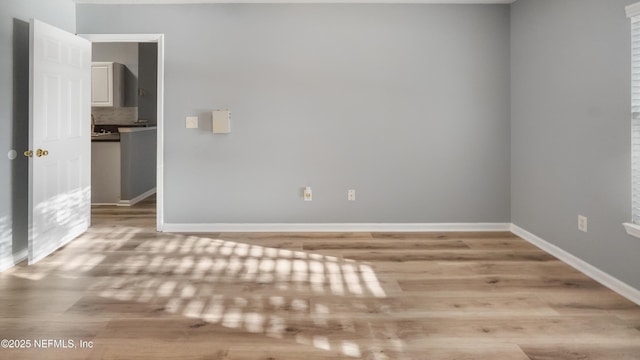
pixel 59 138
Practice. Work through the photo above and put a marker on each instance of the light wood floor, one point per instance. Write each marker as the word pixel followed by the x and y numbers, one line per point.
pixel 138 294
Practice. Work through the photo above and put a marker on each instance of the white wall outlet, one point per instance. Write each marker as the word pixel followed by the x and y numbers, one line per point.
pixel 582 223
pixel 351 195
pixel 307 194
pixel 192 122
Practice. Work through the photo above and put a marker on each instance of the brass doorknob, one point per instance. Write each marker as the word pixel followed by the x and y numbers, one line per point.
pixel 28 153
pixel 41 152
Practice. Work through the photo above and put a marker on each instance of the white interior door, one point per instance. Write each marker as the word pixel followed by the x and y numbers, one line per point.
pixel 59 138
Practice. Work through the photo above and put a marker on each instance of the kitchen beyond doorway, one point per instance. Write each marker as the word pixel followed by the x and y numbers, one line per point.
pixel 158 47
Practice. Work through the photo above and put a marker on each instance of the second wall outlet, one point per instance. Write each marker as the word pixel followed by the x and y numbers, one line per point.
pixel 307 194
pixel 351 195
pixel 582 223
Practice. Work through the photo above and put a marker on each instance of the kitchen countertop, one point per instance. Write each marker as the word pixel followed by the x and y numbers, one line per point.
pixel 114 135
pixel 136 129
pixel 106 137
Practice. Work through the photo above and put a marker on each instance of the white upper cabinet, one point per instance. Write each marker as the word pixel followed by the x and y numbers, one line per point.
pixel 107 84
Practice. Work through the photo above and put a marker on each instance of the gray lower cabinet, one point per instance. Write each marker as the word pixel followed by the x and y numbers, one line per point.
pixel 124 172
pixel 105 172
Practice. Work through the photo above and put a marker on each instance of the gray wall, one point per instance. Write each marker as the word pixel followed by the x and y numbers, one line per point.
pixel 14 111
pixel 571 128
pixel 407 104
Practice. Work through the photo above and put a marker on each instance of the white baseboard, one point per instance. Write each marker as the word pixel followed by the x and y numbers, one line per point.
pixel 137 199
pixel 335 227
pixel 10 261
pixel 632 229
pixel 591 271
pixel 7 262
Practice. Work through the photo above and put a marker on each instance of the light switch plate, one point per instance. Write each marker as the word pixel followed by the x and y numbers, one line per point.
pixel 221 123
pixel 192 122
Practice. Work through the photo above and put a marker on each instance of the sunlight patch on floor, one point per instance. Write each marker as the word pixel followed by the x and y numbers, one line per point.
pixel 223 282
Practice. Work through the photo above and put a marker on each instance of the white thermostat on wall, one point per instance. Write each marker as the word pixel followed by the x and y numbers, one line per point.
pixel 221 121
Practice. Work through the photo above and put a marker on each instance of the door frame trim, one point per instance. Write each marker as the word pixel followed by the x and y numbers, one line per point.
pixel 159 39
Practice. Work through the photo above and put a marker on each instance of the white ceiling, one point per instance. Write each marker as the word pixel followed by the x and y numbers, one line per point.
pixel 295 1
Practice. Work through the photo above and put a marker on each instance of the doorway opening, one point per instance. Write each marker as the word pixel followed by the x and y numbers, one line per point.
pixel 143 100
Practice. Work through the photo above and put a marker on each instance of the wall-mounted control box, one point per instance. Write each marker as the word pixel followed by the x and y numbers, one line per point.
pixel 221 121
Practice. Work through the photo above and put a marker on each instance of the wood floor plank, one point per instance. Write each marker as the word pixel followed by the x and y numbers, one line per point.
pixel 490 305
pixel 604 330
pixel 442 255
pixel 377 244
pixel 498 283
pixel 442 235
pixel 499 243
pixel 582 352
